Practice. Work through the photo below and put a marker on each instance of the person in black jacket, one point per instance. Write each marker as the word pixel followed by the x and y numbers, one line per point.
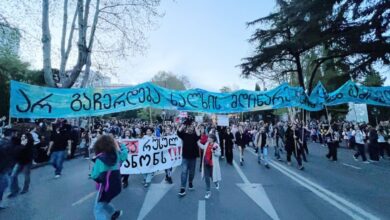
pixel 190 137
pixel 23 165
pixel 240 141
pixel 228 139
pixel 373 148
pixel 293 146
pixel 7 158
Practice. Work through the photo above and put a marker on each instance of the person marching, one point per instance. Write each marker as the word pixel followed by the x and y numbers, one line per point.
pixel 292 146
pixel 189 136
pixel 24 163
pixel 261 144
pixel 333 138
pixel 148 176
pixel 229 141
pixel 203 140
pixel 211 168
pixel 168 172
pixel 240 141
pixel 360 136
pixel 106 174
pixel 125 177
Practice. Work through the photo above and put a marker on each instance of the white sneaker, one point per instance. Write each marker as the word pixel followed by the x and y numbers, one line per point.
pixel 366 162
pixel 208 195
pixel 57 176
pixel 217 185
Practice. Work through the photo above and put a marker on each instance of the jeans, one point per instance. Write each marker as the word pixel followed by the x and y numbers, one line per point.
pixel 187 170
pixel 148 177
pixel 57 159
pixel 263 155
pixel 103 210
pixel 20 168
pixel 208 174
pixel 3 183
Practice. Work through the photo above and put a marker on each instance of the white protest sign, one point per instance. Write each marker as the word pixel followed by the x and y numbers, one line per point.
pixel 223 120
pixel 148 155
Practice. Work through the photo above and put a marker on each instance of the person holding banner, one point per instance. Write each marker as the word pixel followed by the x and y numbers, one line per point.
pixel 106 174
pixel 189 136
pixel 292 146
pixel 168 172
pixel 125 177
pixel 148 176
pixel 211 168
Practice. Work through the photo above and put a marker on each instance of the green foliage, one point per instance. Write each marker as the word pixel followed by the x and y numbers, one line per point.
pixel 12 68
pixel 353 33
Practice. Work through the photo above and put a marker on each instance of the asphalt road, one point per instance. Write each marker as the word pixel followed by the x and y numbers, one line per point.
pixel 324 190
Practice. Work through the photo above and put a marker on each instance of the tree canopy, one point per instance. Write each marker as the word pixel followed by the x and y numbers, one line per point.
pixel 353 34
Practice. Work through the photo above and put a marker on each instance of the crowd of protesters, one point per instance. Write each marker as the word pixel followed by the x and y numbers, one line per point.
pixel 54 141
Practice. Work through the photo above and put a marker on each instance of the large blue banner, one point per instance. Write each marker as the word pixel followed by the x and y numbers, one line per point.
pixel 28 101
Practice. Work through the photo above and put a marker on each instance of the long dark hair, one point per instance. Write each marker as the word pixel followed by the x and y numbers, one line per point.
pixel 105 144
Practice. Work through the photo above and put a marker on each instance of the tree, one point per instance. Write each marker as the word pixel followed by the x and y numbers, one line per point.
pixel 170 81
pixel 102 30
pixel 225 89
pixel 375 79
pixel 352 33
pixel 12 68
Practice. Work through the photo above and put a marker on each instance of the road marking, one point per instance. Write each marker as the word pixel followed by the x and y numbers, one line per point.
pixel 202 210
pixel 352 166
pixel 342 204
pixel 239 171
pixel 85 198
pixel 154 195
pixel 257 193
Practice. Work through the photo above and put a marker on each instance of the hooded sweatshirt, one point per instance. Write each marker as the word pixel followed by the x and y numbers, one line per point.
pixel 106 173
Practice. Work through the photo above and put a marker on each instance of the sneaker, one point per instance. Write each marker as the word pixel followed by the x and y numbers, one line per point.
pixel 182 192
pixel 146 185
pixel 223 157
pixel 217 185
pixel 57 176
pixel 289 163
pixel 117 214
pixel 242 164
pixel 267 166
pixel 190 186
pixel 87 158
pixel 301 168
pixel 355 158
pixel 208 195
pixel 366 162
pixel 24 192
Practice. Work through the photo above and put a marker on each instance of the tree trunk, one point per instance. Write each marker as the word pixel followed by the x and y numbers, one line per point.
pixel 90 45
pixel 46 45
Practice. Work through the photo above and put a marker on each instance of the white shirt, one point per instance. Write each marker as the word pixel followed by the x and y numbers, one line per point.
pixel 35 137
pixel 359 137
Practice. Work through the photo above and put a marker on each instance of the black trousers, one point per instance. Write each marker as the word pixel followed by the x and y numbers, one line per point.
pixel 297 155
pixel 373 151
pixel 229 154
pixel 360 151
pixel 384 147
pixel 332 154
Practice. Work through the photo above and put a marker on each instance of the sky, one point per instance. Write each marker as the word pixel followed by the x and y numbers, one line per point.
pixel 201 39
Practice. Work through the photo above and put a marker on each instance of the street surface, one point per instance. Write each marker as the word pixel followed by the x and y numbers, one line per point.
pixel 324 190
